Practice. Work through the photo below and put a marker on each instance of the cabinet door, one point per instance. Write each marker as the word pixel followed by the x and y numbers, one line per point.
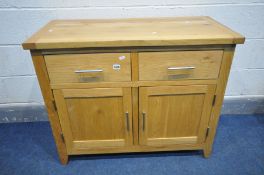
pixel 95 118
pixel 174 114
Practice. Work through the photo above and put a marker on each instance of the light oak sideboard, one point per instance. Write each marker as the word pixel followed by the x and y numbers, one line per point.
pixel 133 85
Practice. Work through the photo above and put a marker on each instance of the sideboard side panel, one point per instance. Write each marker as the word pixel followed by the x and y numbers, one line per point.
pixel 220 92
pixel 41 71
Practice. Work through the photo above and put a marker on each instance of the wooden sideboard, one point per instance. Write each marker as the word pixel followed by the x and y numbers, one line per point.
pixel 133 85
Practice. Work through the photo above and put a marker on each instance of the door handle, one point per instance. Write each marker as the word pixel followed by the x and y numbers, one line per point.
pixel 143 120
pixel 127 121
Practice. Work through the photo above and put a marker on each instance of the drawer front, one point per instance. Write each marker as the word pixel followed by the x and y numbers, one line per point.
pixel 179 65
pixel 77 68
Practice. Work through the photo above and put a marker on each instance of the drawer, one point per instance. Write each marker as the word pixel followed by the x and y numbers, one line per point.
pixel 76 68
pixel 179 65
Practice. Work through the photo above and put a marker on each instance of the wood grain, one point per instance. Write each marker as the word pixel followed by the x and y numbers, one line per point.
pixel 132 32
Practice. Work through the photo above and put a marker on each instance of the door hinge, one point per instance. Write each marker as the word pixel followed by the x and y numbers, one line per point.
pixel 213 103
pixel 54 105
pixel 207 132
pixel 62 137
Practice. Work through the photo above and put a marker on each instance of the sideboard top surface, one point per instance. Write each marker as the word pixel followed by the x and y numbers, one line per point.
pixel 173 31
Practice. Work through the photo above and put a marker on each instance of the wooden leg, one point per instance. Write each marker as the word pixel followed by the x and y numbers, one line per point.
pixel 64 159
pixel 207 152
pixel 56 131
pixel 42 75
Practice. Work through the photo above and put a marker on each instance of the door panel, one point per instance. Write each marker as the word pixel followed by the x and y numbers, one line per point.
pixel 95 118
pixel 174 114
pixel 103 123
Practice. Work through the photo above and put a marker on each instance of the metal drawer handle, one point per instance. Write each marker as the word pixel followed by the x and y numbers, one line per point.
pixel 144 120
pixel 89 71
pixel 127 121
pixel 181 68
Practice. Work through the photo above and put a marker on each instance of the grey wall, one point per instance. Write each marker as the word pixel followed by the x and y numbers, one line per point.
pixel 20 19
